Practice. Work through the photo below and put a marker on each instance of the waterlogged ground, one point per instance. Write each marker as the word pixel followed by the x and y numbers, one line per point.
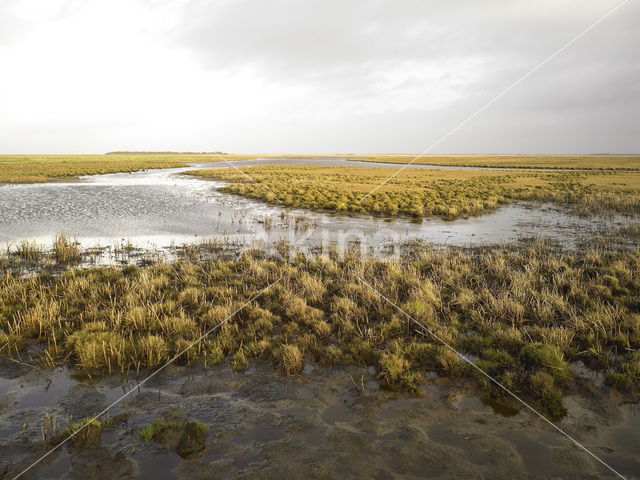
pixel 329 423
pixel 157 208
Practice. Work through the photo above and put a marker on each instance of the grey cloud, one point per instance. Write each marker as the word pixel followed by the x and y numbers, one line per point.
pixel 342 47
pixel 345 54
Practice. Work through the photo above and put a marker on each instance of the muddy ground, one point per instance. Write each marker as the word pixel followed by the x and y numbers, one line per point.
pixel 327 423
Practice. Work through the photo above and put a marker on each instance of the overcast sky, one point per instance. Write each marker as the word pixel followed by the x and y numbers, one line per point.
pixel 284 76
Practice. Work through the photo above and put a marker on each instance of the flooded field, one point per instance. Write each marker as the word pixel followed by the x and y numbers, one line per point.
pixel 327 422
pixel 159 208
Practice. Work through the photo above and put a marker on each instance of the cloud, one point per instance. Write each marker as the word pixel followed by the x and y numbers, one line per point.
pixel 322 76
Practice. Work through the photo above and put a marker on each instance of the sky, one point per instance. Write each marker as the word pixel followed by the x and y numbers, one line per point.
pixel 310 76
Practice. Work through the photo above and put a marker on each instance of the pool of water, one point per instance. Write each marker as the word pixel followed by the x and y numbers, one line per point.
pixel 159 208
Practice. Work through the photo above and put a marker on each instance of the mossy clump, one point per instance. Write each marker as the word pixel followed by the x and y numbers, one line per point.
pixel 240 362
pixel 193 440
pixel 159 426
pixel 549 396
pixel 88 433
pixel 186 438
pixel 537 356
pixel 628 376
pixel 396 374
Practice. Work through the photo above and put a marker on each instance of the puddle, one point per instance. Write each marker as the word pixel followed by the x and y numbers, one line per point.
pixel 394 409
pixel 431 389
pixel 157 466
pixel 47 390
pixel 262 433
pixel 406 437
pixel 583 371
pixel 60 466
pixel 275 436
pixel 244 462
pixel 535 452
pixel 337 413
pixel 7 384
pixel 466 402
pixel 626 435
pixel 501 408
pixel 486 405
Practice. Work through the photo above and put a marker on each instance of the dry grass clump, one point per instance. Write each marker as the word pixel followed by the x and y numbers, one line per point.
pixel 30 251
pixel 65 250
pixel 291 360
pixel 523 315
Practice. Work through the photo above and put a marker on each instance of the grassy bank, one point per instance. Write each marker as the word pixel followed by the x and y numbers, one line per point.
pixel 446 193
pixel 522 315
pixel 46 168
pixel 581 162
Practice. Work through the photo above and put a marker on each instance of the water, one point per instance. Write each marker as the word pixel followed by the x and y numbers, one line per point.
pixel 250 429
pixel 155 209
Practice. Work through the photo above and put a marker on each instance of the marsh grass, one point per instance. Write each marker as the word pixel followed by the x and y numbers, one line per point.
pixel 190 437
pixel 47 168
pixel 44 168
pixel 579 162
pixel 418 193
pixel 523 314
pixel 30 251
pixel 65 250
pixel 86 433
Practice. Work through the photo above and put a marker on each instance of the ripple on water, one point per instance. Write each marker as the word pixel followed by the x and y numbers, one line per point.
pixel 161 206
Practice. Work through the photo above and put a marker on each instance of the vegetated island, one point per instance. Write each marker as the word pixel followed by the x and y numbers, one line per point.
pixel 425 192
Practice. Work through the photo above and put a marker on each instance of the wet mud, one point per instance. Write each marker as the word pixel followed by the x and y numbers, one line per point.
pixel 327 423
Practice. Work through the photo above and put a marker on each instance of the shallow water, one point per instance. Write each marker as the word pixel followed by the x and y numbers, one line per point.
pixel 263 425
pixel 158 208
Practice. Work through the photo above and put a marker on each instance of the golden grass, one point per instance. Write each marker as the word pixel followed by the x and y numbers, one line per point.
pixel 46 168
pixel 525 313
pixel 446 193
pixel 587 162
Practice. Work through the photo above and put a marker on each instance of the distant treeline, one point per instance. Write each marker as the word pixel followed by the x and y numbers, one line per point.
pixel 164 153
